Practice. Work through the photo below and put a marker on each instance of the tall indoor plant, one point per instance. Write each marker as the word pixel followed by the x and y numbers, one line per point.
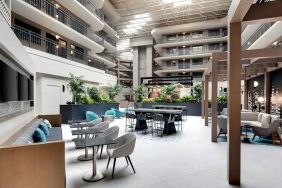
pixel 139 92
pixel 113 91
pixel 76 87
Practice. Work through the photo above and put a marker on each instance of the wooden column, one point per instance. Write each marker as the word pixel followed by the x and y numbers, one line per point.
pixel 214 101
pixel 267 92
pixel 234 102
pixel 245 95
pixel 203 100
pixel 206 106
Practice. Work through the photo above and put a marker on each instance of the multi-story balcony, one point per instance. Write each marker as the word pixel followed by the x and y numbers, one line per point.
pixel 257 34
pixel 5 10
pixel 33 40
pixel 60 21
pixel 58 13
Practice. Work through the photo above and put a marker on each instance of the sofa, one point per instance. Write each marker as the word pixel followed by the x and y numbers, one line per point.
pixel 263 125
pixel 37 164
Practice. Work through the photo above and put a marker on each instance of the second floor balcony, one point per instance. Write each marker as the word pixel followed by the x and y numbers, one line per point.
pixel 54 10
pixel 36 41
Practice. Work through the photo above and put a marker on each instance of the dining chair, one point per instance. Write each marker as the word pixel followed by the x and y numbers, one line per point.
pixel 111 132
pixel 130 121
pixel 159 123
pixel 123 148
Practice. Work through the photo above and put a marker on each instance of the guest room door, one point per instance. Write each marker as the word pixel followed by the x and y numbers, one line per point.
pixel 52 99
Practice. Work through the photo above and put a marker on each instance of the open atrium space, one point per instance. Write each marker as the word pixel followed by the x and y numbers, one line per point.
pixel 140 93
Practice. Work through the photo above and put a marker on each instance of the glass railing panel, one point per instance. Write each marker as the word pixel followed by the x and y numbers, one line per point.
pixel 34 40
pixel 56 12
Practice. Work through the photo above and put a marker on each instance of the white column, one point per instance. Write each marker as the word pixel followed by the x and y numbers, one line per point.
pixel 136 78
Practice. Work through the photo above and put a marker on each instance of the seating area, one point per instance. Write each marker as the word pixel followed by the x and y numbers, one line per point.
pixel 140 93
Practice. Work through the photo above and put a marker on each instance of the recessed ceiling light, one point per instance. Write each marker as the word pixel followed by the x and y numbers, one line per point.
pixel 183 46
pixel 249 43
pixel 57 36
pixel 275 43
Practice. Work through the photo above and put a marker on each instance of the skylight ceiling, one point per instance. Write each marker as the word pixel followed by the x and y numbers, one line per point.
pixel 139 17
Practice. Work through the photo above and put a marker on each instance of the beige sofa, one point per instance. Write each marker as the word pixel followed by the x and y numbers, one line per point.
pixel 263 125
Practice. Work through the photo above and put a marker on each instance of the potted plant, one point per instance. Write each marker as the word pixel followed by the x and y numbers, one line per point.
pixel 139 92
pixel 76 87
pixel 171 91
pixel 113 91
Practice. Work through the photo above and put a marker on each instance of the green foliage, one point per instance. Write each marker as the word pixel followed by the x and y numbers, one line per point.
pixel 76 87
pixel 196 92
pixel 94 94
pixel 148 100
pixel 171 89
pixel 188 99
pixel 222 99
pixel 85 99
pixel 161 99
pixel 105 99
pixel 139 92
pixel 113 91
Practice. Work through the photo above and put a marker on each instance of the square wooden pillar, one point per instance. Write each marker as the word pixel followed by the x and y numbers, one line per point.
pixel 203 101
pixel 214 78
pixel 206 105
pixel 267 92
pixel 234 102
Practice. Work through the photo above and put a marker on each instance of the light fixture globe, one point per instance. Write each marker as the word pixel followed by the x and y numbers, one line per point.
pixel 260 99
pixel 256 84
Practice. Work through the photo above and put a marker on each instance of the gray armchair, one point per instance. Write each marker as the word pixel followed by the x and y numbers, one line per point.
pixel 123 148
pixel 222 125
pixel 270 130
pixel 109 133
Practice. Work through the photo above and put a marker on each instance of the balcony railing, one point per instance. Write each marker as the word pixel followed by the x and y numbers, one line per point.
pixel 5 10
pixel 257 34
pixel 191 52
pixel 194 37
pixel 35 41
pixel 56 12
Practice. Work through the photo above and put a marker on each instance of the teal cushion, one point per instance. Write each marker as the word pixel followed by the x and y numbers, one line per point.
pixel 39 136
pixel 90 116
pixel 44 127
pixel 111 113
pixel 118 113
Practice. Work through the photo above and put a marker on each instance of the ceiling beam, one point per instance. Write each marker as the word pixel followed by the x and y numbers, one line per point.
pixel 238 10
pixel 264 13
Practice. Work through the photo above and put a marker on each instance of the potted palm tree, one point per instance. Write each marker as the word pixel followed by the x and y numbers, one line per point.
pixel 113 91
pixel 76 87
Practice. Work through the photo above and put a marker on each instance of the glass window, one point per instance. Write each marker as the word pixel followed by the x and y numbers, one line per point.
pixel 224 32
pixel 198 61
pixel 171 37
pixel 214 46
pixel 224 47
pixel 171 50
pixel 214 32
pixel 197 34
pixel 198 48
pixel 77 52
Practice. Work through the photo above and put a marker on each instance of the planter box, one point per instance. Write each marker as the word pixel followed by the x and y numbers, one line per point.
pixel 78 111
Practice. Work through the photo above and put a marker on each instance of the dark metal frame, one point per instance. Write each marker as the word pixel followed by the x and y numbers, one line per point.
pixel 167 80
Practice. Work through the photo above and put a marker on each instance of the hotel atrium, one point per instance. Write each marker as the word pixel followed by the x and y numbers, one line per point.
pixel 140 93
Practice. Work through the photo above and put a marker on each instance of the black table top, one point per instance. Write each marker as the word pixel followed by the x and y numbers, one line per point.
pixel 161 111
pixel 169 106
pixel 86 131
pixel 77 121
pixel 89 142
pixel 81 125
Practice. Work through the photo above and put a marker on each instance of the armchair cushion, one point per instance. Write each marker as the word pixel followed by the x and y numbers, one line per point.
pixel 265 120
pixel 39 136
pixel 90 116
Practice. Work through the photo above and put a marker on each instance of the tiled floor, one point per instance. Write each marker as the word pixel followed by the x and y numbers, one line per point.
pixel 186 159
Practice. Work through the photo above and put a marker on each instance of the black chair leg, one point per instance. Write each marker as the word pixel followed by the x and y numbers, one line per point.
pixel 108 162
pixel 101 151
pixel 126 160
pixel 114 165
pixel 131 164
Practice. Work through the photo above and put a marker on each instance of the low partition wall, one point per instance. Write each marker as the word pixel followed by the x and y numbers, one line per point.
pixel 77 111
